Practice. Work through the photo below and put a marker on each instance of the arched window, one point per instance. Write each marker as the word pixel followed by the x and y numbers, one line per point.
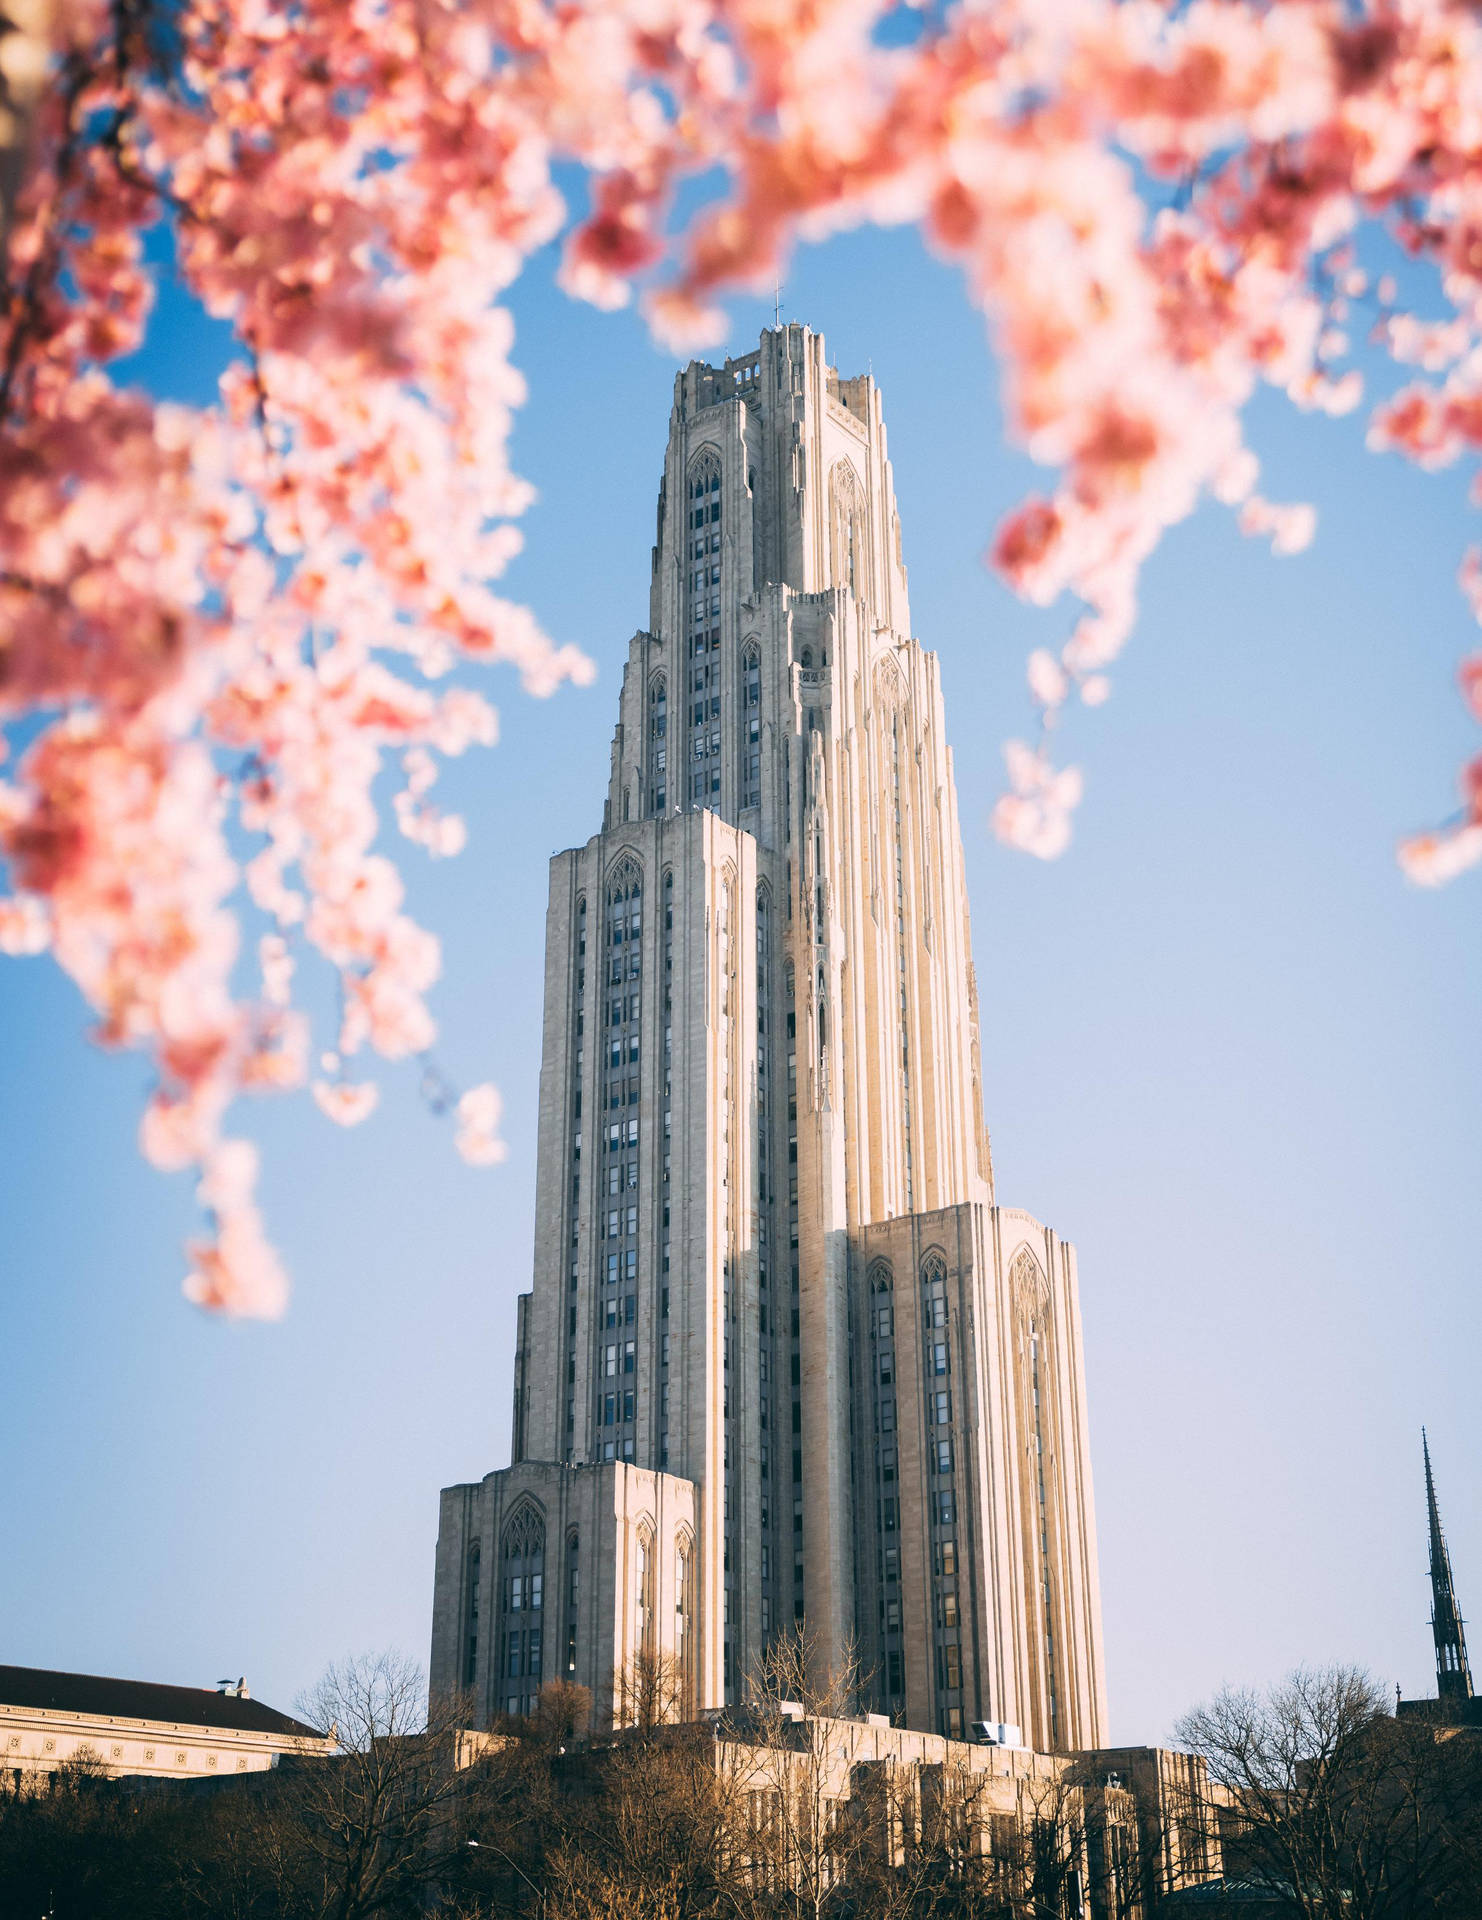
pixel 522 1611
pixel 751 728
pixel 848 529
pixel 624 924
pixel 658 743
pixel 684 1613
pixel 471 1655
pixel 1030 1293
pixel 643 1596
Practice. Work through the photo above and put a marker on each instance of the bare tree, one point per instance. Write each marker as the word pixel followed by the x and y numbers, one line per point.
pixel 652 1692
pixel 369 1827
pixel 1353 1814
pixel 804 1836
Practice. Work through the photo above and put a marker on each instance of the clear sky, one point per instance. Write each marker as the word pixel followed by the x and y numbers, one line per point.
pixel 1227 1051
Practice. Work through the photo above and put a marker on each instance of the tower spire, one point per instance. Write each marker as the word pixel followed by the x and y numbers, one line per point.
pixel 1453 1676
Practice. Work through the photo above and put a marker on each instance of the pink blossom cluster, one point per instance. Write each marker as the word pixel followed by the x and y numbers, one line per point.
pixel 216 626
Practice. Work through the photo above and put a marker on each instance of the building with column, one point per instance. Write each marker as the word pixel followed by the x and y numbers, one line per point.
pixel 786 1363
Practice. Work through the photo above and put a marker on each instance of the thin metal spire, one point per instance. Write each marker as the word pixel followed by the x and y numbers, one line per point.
pixel 1453 1675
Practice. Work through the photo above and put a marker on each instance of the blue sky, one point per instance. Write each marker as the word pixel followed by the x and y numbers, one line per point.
pixel 1227 1051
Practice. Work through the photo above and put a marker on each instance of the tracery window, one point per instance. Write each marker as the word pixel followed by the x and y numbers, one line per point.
pixel 522 1612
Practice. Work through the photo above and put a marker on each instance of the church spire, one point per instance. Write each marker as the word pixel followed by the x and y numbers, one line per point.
pixel 1453 1676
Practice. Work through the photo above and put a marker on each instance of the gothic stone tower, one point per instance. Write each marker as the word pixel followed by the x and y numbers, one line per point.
pixel 785 1361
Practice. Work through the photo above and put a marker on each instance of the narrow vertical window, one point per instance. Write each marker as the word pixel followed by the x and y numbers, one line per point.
pixel 751 728
pixel 658 743
pixel 702 698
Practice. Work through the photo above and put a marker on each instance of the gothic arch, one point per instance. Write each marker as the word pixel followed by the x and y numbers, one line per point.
pixel 847 517
pixel 933 1267
pixel 890 689
pixel 1028 1286
pixel 523 1536
pixel 645 1587
pixel 704 465
pixel 624 877
pixel 880 1278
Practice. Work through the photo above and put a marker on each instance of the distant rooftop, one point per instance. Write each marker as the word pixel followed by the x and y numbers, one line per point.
pixel 39 1689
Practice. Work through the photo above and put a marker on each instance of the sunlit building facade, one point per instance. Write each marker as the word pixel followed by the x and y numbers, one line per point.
pixel 786 1363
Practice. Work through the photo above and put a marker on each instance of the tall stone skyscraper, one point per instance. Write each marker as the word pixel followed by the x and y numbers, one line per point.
pixel 786 1362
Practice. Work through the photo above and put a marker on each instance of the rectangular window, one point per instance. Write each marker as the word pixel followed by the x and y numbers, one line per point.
pixel 630 1356
pixel 939 1356
pixel 609 1361
pixel 944 1456
pixel 941 1408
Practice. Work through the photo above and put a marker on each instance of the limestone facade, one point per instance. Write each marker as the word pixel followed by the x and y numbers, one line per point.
pixel 771 1277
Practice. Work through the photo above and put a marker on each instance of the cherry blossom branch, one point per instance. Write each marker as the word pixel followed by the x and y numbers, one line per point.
pixel 225 619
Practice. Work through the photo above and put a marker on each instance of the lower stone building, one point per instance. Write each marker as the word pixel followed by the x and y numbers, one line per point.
pixel 138 1727
pixel 833 1806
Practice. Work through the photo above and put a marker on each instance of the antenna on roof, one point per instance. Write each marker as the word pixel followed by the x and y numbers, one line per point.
pixel 777 302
